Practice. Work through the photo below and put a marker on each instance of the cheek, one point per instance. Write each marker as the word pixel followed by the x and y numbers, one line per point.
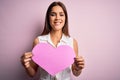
pixel 64 20
pixel 51 21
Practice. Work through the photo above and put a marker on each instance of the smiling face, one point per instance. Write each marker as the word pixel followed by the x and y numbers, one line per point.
pixel 57 18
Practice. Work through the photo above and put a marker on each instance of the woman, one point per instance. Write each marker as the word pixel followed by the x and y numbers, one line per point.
pixel 55 33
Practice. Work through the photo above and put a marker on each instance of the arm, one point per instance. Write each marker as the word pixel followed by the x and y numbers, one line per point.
pixel 78 64
pixel 30 66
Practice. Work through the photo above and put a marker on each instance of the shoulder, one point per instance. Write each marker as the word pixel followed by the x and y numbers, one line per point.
pixel 67 39
pixel 43 37
pixel 40 38
pixel 36 41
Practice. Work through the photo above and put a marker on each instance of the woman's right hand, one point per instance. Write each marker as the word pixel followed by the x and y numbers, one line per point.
pixel 26 59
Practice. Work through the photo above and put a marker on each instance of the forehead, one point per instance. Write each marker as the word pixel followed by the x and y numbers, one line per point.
pixel 57 9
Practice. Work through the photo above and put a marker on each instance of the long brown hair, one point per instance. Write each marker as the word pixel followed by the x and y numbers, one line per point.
pixel 47 26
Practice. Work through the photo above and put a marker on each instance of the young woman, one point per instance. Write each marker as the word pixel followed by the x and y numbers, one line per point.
pixel 55 33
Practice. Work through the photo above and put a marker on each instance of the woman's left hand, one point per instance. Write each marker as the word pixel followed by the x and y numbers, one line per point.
pixel 79 63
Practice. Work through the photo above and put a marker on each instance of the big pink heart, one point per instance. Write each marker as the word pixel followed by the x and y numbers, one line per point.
pixel 52 59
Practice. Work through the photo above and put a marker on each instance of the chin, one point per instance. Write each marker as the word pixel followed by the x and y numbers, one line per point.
pixel 58 28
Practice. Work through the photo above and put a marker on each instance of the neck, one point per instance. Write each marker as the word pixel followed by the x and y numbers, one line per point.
pixel 56 36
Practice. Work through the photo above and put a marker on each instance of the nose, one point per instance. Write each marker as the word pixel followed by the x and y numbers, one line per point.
pixel 57 16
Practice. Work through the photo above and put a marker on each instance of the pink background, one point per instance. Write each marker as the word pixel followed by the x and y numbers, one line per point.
pixel 94 23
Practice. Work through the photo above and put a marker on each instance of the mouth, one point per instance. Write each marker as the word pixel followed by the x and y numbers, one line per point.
pixel 57 23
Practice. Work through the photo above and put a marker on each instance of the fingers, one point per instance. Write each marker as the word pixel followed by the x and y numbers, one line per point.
pixel 81 66
pixel 27 64
pixel 26 58
pixel 28 55
pixel 79 61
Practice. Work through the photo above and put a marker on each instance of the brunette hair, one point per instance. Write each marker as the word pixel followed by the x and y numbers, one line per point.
pixel 47 26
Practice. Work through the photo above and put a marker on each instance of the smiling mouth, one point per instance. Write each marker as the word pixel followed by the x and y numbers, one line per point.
pixel 57 23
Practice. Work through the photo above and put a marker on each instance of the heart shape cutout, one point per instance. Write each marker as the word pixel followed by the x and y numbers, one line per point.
pixel 51 59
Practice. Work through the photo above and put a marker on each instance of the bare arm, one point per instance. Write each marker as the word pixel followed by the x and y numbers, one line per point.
pixel 78 64
pixel 30 66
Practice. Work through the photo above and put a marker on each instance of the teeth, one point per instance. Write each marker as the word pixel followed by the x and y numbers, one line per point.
pixel 57 23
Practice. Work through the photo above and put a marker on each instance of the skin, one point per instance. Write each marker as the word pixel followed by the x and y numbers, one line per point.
pixel 57 21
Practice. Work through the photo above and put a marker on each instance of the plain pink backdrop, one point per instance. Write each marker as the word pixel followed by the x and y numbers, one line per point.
pixel 95 24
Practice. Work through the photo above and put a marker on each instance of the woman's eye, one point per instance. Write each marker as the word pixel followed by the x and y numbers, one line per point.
pixel 52 14
pixel 61 14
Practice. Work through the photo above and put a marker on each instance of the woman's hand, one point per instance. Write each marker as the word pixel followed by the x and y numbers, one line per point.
pixel 29 65
pixel 26 59
pixel 79 63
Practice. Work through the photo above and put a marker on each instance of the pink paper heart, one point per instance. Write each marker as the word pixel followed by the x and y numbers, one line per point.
pixel 52 59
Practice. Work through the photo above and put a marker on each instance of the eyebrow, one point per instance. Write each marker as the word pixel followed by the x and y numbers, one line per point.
pixel 55 12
